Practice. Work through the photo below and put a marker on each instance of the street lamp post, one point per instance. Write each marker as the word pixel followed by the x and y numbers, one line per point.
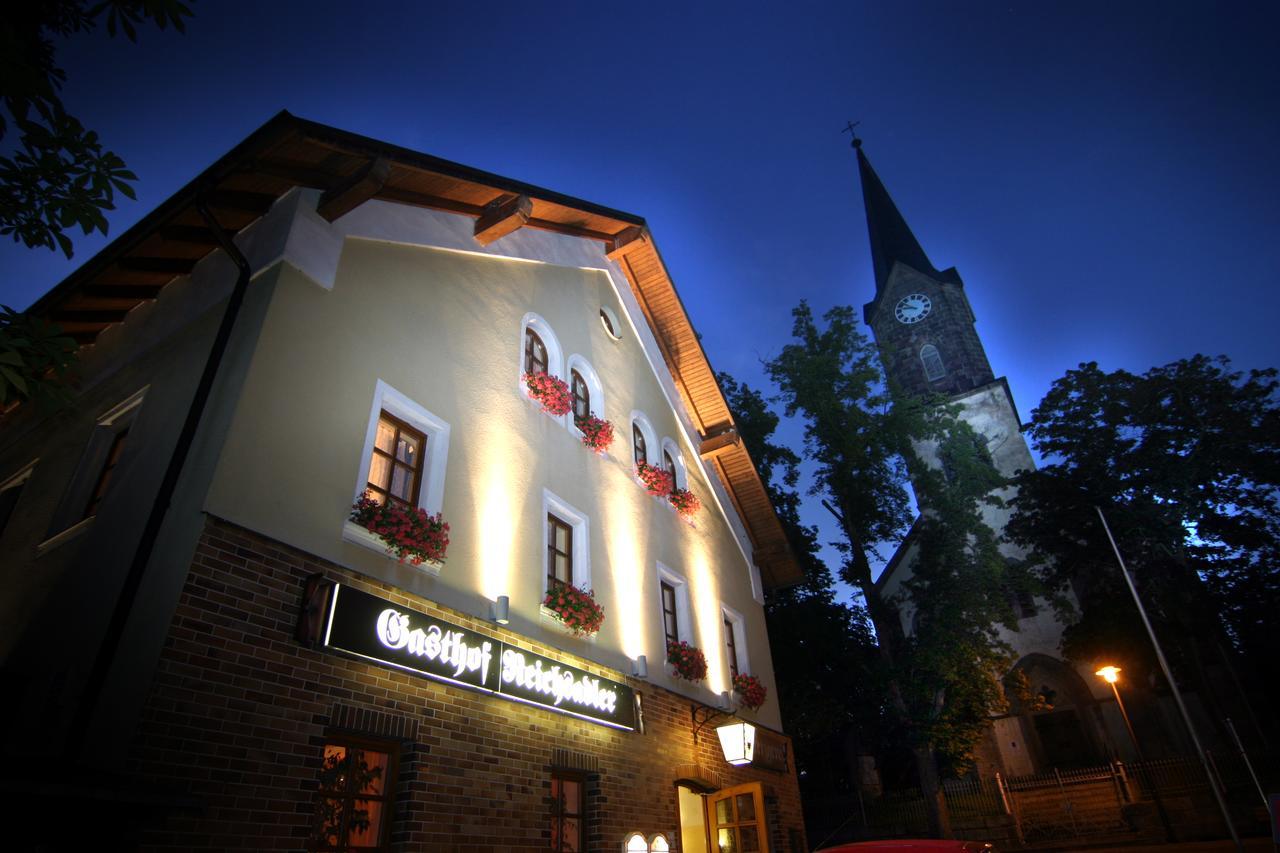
pixel 1111 674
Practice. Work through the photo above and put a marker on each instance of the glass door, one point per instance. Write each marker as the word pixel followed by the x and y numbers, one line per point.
pixel 737 820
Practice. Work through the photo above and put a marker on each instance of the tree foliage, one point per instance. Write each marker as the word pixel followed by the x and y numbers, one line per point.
pixel 942 678
pixel 829 684
pixel 58 176
pixel 34 359
pixel 1185 462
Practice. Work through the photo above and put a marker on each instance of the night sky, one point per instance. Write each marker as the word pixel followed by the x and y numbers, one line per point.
pixel 1104 176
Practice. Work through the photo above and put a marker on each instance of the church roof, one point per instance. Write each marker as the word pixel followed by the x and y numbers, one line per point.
pixel 892 240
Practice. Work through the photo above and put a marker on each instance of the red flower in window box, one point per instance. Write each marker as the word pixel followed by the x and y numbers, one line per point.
pixel 574 607
pixel 751 692
pixel 551 392
pixel 689 661
pixel 597 433
pixel 685 502
pixel 657 481
pixel 411 534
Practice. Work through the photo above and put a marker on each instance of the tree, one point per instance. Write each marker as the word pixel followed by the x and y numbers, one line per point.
pixel 1185 462
pixel 829 685
pixel 942 679
pixel 59 176
pixel 34 358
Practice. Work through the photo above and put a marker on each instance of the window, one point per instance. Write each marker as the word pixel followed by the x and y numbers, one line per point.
pixel 566 812
pixel 642 438
pixel 581 395
pixel 735 641
pixel 673 604
pixel 10 491
pixel 102 466
pixel 636 843
pixel 932 361
pixel 1021 601
pixel 566 545
pixel 559 551
pixel 395 467
pixel 535 352
pixel 731 646
pixel 610 322
pixel 738 821
pixel 353 804
pixel 405 451
pixel 670 619
pixel 673 462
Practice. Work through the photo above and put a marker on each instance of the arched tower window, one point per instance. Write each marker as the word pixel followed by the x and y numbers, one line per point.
pixel 932 361
pixel 639 450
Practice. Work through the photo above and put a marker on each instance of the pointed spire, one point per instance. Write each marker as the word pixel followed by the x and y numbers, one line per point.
pixel 891 237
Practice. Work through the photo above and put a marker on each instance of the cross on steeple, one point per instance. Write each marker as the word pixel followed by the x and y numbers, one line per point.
pixel 849 129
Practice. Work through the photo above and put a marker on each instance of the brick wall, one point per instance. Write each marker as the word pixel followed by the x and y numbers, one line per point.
pixel 239 710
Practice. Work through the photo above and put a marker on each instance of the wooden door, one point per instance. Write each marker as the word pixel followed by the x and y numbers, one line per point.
pixel 735 817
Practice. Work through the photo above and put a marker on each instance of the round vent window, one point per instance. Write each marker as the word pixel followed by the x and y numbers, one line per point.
pixel 609 320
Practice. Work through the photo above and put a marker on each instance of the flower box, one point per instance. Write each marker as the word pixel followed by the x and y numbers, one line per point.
pixel 657 481
pixel 597 433
pixel 409 534
pixel 751 693
pixel 688 661
pixel 685 502
pixel 550 392
pixel 574 608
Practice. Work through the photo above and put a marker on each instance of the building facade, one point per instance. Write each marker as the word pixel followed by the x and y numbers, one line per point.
pixel 252 662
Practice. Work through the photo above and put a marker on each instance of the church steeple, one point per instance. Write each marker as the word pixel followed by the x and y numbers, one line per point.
pixel 919 314
pixel 891 238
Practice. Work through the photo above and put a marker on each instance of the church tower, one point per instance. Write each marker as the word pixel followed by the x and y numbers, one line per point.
pixel 924 327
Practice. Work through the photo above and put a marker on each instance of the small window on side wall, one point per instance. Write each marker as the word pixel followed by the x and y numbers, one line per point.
pixel 535 352
pixel 581 395
pixel 639 447
pixel 353 803
pixel 559 551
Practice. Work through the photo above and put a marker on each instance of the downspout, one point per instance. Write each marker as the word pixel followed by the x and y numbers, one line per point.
pixel 110 644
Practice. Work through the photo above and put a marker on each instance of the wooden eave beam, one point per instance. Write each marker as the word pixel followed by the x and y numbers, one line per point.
pixel 121 291
pixel 356 190
pixel 627 241
pixel 194 235
pixel 91 317
pixel 719 441
pixel 168 266
pixel 502 216
pixel 240 201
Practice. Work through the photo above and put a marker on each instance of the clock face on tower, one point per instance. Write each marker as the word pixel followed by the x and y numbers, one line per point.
pixel 912 308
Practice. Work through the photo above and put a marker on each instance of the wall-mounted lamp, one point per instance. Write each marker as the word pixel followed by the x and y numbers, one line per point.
pixel 501 610
pixel 640 667
pixel 725 704
pixel 738 742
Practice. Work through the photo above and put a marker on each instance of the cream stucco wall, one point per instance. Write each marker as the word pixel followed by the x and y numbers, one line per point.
pixel 443 328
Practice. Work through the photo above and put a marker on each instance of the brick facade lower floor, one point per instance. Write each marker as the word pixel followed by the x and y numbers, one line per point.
pixel 240 712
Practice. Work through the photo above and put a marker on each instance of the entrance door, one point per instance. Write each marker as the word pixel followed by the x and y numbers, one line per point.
pixel 1063 741
pixel 737 820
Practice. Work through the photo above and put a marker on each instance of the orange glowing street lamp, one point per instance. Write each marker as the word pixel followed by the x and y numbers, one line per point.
pixel 1111 674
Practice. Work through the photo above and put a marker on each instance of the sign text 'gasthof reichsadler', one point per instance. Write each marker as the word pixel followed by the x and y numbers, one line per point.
pixel 382 631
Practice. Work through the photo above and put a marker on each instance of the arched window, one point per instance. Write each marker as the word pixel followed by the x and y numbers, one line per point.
pixel 636 844
pixel 932 361
pixel 673 462
pixel 581 394
pixel 639 449
pixel 535 352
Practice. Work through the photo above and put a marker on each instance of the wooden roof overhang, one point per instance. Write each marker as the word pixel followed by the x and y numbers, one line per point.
pixel 349 169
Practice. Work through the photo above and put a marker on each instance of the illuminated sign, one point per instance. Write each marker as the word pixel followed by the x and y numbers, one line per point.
pixel 347 620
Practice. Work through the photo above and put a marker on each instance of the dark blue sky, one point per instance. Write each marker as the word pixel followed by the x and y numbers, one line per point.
pixel 1103 175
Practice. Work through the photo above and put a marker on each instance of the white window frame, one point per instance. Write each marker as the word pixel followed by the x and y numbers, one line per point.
pixel 682 472
pixel 435 428
pixel 651 444
pixel 684 623
pixel 555 355
pixel 739 640
pixel 596 390
pixel 553 504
